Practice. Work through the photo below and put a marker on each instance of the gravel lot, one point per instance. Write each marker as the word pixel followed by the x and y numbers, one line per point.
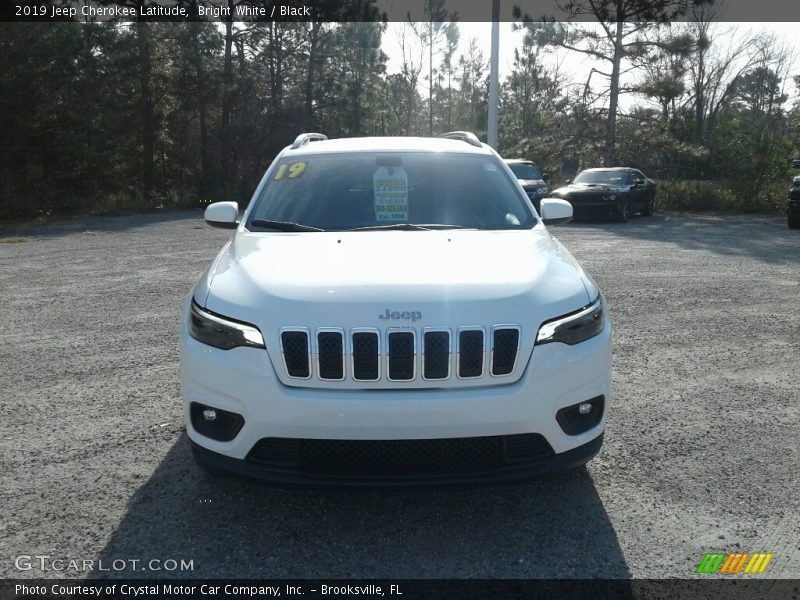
pixel 701 449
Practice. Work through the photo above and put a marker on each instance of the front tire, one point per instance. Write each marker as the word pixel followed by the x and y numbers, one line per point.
pixel 623 211
pixel 648 209
pixel 794 221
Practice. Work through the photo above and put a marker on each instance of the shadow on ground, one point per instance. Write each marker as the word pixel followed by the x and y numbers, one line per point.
pixel 551 527
pixel 100 224
pixel 723 235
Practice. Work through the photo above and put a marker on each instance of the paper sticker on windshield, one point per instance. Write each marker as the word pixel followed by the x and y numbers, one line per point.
pixel 391 194
pixel 290 171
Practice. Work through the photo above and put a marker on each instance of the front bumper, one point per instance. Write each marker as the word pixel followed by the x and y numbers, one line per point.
pixel 592 207
pixel 243 381
pixel 283 476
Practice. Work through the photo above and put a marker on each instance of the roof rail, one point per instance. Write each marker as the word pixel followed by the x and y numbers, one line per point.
pixel 464 136
pixel 302 139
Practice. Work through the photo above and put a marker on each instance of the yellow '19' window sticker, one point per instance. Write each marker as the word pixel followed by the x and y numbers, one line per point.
pixel 289 171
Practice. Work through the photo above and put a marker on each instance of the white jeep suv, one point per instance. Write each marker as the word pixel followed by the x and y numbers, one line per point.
pixel 393 311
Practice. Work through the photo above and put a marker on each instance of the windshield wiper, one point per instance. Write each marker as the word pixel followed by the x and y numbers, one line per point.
pixel 409 227
pixel 283 225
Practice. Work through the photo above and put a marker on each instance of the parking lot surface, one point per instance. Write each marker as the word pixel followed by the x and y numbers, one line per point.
pixel 701 448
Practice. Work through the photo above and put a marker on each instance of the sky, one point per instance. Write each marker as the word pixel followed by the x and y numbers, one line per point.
pixel 574 64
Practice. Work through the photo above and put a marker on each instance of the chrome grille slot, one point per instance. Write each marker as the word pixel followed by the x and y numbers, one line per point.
pixel 330 354
pixel 505 346
pixel 401 353
pixel 366 360
pixel 296 351
pixel 436 355
pixel 470 353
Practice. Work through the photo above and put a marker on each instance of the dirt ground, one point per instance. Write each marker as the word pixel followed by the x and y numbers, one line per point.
pixel 701 451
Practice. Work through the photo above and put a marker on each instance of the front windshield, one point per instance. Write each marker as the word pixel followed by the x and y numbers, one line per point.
pixel 606 177
pixel 525 171
pixel 338 192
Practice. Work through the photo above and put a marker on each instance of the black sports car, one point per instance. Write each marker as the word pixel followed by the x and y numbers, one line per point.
pixel 618 192
pixel 793 210
pixel 530 178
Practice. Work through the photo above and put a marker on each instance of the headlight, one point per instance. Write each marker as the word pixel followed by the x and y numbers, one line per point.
pixel 576 327
pixel 222 333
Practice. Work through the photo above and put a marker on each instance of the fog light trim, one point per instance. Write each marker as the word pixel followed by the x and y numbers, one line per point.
pixel 215 423
pixel 581 417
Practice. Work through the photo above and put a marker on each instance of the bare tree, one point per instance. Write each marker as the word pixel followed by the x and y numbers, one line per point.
pixel 412 53
pixel 439 28
pixel 620 37
pixel 715 68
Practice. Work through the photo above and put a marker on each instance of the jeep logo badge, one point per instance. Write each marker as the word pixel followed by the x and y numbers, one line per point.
pixel 414 315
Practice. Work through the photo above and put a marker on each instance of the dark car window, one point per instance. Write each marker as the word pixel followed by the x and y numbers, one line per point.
pixel 525 171
pixel 347 191
pixel 604 177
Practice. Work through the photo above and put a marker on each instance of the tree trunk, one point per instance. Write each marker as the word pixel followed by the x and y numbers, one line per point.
pixel 613 100
pixel 146 110
pixel 275 60
pixel 430 75
pixel 201 107
pixel 227 92
pixel 699 97
pixel 310 72
pixel 449 101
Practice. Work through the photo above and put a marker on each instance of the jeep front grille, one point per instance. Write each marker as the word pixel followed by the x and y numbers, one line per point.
pixel 399 354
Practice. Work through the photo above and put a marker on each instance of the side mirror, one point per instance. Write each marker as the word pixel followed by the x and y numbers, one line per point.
pixel 638 181
pixel 568 181
pixel 545 176
pixel 222 214
pixel 555 211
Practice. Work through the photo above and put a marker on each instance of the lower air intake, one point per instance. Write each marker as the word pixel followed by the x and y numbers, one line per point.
pixel 400 457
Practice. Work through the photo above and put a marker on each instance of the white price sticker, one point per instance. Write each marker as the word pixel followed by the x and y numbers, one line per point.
pixel 391 194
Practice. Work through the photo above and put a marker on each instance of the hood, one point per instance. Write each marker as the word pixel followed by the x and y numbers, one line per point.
pixel 347 279
pixel 532 183
pixel 394 279
pixel 578 188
